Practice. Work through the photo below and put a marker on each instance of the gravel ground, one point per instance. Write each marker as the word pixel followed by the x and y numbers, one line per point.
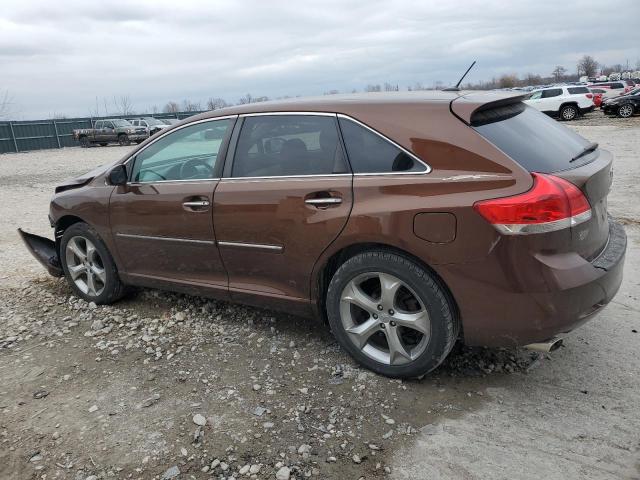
pixel 169 386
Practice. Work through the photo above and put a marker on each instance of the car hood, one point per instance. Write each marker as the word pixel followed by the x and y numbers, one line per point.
pixel 83 179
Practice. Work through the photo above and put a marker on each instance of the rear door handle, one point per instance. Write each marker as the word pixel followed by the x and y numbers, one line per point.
pixel 323 201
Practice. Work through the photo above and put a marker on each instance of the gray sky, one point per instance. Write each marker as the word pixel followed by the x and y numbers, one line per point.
pixel 57 56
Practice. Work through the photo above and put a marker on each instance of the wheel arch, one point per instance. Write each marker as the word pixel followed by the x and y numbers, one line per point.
pixel 61 226
pixel 329 266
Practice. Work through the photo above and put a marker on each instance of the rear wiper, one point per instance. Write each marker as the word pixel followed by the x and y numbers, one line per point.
pixel 588 149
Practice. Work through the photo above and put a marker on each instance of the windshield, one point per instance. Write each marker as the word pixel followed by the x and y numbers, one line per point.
pixel 121 123
pixel 153 121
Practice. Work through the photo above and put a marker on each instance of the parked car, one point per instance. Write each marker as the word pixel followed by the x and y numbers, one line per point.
pixel 109 131
pixel 564 102
pixel 624 106
pixel 617 88
pixel 404 220
pixel 170 121
pixel 153 125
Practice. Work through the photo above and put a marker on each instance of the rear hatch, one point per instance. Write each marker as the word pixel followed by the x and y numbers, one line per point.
pixel 542 145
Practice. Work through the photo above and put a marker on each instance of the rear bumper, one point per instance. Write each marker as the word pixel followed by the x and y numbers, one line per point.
pixel 43 250
pixel 587 109
pixel 504 313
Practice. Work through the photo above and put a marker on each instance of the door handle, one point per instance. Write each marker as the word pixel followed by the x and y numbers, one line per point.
pixel 196 203
pixel 323 201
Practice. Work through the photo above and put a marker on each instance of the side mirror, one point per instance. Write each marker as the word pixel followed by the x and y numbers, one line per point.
pixel 118 175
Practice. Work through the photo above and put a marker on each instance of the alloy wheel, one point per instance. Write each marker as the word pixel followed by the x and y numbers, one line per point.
pixel 569 113
pixel 85 266
pixel 384 318
pixel 625 111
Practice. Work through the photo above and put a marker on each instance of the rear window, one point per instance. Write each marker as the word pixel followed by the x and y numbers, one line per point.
pixel 531 138
pixel 576 90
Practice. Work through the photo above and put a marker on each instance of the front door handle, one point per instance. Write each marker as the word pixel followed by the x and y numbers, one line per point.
pixel 323 201
pixel 196 205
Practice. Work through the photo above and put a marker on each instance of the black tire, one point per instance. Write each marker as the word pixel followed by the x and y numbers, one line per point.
pixel 113 288
pixel 104 144
pixel 84 142
pixel 626 110
pixel 569 112
pixel 138 142
pixel 444 322
pixel 123 140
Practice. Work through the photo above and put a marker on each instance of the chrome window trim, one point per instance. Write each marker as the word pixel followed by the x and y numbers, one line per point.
pixel 315 114
pixel 285 177
pixel 190 180
pixel 384 137
pixel 137 152
pixel 168 239
pixel 257 246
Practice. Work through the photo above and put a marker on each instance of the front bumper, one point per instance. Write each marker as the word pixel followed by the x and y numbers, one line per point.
pixel 43 250
pixel 504 313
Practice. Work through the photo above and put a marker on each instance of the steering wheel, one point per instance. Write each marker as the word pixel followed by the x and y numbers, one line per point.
pixel 189 169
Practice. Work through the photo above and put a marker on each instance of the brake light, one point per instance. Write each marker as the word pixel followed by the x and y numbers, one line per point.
pixel 589 95
pixel 551 204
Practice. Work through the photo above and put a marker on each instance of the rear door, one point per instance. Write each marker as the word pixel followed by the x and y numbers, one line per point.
pixel 161 220
pixel 285 196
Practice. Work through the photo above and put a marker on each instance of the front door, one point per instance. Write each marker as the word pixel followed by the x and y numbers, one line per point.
pixel 161 220
pixel 286 196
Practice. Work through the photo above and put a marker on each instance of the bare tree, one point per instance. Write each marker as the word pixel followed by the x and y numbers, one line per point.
pixel 332 92
pixel 216 103
pixel 508 81
pixel 123 105
pixel 588 66
pixel 189 106
pixel 171 107
pixel 390 88
pixel 373 88
pixel 5 104
pixel 558 73
pixel 245 99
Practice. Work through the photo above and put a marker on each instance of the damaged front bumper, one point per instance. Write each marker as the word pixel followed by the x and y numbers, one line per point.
pixel 43 250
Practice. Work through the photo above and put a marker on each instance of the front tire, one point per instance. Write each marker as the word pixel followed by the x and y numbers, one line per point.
pixel 391 314
pixel 124 140
pixel 625 111
pixel 88 266
pixel 569 112
pixel 84 142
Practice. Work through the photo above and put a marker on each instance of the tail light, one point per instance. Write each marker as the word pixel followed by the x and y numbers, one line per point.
pixel 589 95
pixel 551 204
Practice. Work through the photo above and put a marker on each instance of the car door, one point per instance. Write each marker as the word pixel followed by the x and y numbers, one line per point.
pixel 535 100
pixel 98 130
pixel 285 196
pixel 161 220
pixel 550 101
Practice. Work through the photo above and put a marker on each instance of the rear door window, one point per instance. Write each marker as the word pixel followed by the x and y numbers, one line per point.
pixel 369 152
pixel 288 145
pixel 578 90
pixel 531 138
pixel 552 92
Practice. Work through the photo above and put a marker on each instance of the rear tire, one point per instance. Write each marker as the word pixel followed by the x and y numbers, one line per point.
pixel 104 144
pixel 84 142
pixel 569 112
pixel 124 140
pixel 88 266
pixel 391 314
pixel 625 111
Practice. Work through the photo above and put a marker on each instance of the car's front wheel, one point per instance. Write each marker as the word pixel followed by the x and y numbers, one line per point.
pixel 569 112
pixel 625 111
pixel 88 265
pixel 124 140
pixel 391 314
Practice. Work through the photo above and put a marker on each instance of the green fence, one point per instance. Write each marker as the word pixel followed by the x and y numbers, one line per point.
pixel 23 136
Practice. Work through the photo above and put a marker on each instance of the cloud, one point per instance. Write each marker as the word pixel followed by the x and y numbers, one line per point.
pixel 59 56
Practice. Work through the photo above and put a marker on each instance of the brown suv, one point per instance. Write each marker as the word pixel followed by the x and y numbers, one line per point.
pixel 405 220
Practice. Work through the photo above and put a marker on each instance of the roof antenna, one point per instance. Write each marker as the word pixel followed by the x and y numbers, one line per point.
pixel 456 89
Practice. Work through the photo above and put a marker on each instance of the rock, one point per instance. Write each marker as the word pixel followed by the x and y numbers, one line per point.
pixel 184 452
pixel 244 470
pixel 302 449
pixel 215 463
pixel 267 425
pixel 180 316
pixel 97 325
pixel 147 402
pixel 199 420
pixel 170 473
pixel 40 394
pixel 254 469
pixel 224 466
pixel 283 474
pixel 304 390
pixel 256 387
pixel 356 458
pixel 332 459
pixel 93 408
pixel 91 477
pixel 430 429
pixel 259 411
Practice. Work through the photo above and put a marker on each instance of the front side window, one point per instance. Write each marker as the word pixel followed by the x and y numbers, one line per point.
pixel 288 145
pixel 189 153
pixel 535 95
pixel 368 152
pixel 108 125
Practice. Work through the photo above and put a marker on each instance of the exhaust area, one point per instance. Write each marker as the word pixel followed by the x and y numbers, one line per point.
pixel 546 347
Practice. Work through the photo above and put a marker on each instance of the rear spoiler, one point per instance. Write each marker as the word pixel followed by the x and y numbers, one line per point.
pixel 466 106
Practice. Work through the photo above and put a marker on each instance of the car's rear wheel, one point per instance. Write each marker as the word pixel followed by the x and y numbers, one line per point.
pixel 88 266
pixel 84 142
pixel 568 112
pixel 124 140
pixel 625 111
pixel 391 314
pixel 103 144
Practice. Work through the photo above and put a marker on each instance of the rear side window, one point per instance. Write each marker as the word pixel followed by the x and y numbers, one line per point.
pixel 552 92
pixel 531 138
pixel 368 152
pixel 577 90
pixel 288 145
